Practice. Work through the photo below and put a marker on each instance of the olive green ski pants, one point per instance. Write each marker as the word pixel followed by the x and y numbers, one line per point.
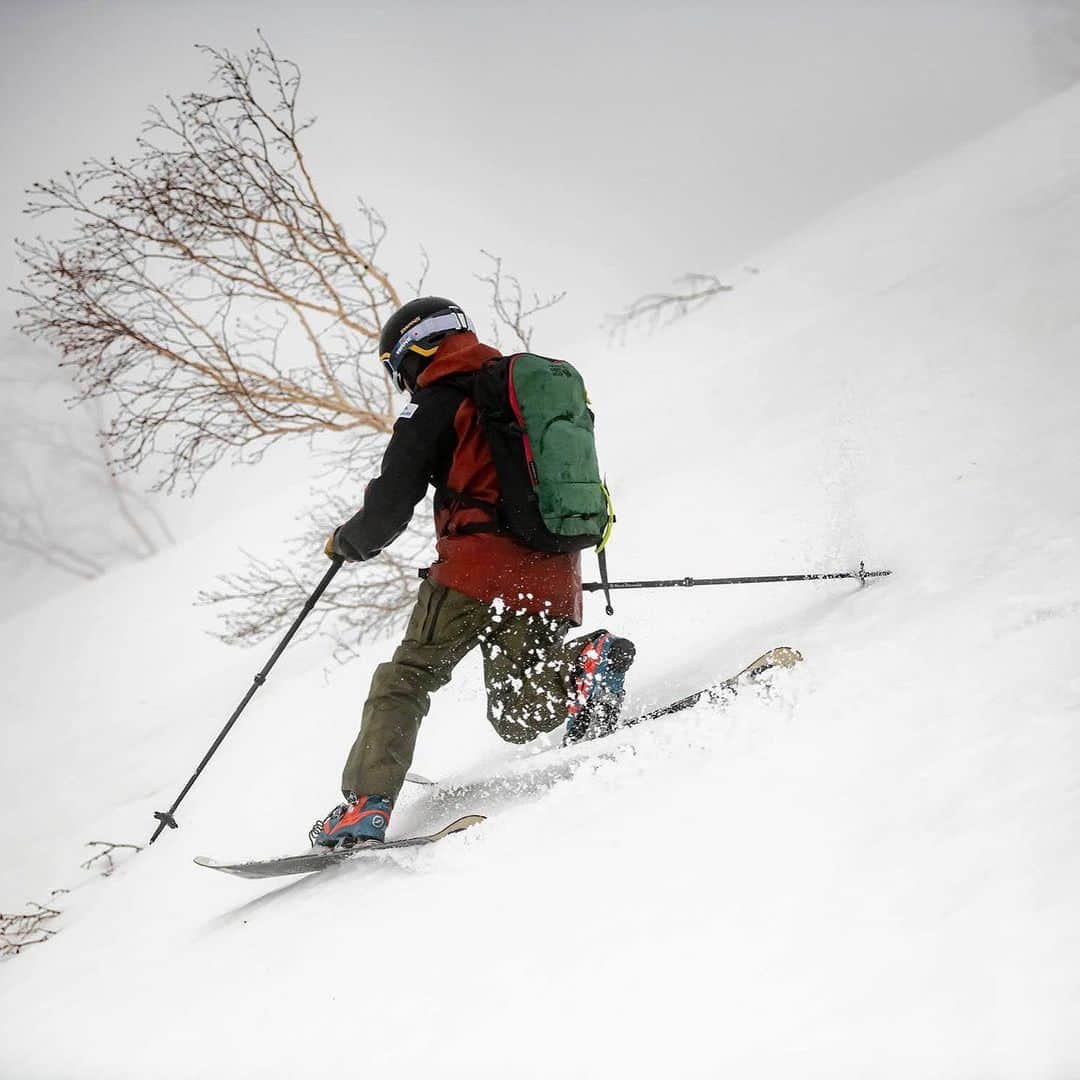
pixel 528 671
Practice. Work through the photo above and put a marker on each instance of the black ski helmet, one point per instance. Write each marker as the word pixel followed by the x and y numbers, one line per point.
pixel 418 327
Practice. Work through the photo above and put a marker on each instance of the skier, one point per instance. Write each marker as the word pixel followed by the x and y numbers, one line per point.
pixel 486 587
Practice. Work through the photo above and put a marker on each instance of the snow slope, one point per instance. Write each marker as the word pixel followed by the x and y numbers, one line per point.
pixel 873 871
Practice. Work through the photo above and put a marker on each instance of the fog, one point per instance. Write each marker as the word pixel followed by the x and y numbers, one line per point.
pixel 600 148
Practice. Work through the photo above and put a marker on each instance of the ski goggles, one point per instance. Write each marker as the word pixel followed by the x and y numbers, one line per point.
pixel 444 323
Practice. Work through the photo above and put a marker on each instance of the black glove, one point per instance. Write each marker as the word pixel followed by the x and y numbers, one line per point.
pixel 334 551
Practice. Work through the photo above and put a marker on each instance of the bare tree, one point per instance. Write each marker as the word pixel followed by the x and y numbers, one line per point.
pixel 264 597
pixel 61 500
pixel 198 267
pixel 654 310
pixel 25 527
pixel 509 307
pixel 212 298
pixel 33 926
pixel 30 927
pixel 103 860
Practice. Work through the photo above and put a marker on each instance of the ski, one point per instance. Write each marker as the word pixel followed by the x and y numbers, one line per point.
pixel 323 858
pixel 781 657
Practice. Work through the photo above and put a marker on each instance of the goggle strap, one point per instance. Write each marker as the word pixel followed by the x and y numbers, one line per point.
pixel 434 324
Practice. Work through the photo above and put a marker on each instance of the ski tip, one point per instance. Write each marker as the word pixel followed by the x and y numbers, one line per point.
pixel 785 656
pixel 464 822
pixel 457 826
pixel 416 778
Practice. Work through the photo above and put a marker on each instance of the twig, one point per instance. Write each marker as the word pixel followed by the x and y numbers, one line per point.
pixel 663 308
pixel 509 305
pixel 109 847
pixel 17 931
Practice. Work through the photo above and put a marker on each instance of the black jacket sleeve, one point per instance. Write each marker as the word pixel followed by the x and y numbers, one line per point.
pixel 419 452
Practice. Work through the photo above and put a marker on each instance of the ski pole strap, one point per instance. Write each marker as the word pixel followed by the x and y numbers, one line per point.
pixel 601 558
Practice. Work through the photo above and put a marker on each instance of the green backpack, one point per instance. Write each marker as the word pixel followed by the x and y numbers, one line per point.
pixel 535 415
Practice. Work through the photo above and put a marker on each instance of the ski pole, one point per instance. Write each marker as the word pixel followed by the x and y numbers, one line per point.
pixel 165 817
pixel 861 575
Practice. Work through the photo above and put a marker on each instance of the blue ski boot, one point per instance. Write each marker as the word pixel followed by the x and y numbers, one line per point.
pixel 360 819
pixel 599 686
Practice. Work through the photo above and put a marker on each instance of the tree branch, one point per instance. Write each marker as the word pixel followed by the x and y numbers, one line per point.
pixel 663 308
pixel 512 311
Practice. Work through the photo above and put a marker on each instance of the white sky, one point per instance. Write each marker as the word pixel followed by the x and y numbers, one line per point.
pixel 601 147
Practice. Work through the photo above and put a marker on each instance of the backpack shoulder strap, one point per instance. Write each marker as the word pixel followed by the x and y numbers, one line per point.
pixel 464 383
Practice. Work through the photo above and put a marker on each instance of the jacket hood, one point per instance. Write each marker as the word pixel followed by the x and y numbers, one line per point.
pixel 459 354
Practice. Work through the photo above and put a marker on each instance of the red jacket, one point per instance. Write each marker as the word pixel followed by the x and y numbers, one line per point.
pixel 438 441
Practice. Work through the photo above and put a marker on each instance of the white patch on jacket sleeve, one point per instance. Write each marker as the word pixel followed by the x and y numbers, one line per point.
pixel 408 411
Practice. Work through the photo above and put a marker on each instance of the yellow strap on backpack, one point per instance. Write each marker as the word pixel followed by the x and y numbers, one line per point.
pixel 601 555
pixel 610 519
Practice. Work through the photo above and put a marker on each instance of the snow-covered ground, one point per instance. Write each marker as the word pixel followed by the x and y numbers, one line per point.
pixel 872 871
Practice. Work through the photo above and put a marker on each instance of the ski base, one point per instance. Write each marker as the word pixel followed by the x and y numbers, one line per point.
pixel 323 858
